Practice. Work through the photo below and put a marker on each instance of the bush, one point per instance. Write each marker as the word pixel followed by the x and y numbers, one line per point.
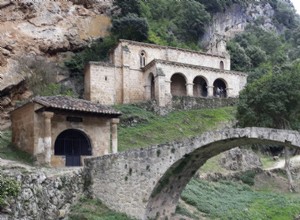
pixel 8 188
pixel 97 51
pixel 247 177
pixel 41 77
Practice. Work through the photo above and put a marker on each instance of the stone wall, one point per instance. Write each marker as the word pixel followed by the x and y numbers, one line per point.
pixel 132 50
pixel 187 103
pixel 43 196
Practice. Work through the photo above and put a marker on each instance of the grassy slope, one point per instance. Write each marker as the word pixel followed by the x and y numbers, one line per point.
pixel 155 129
pixel 230 200
pixel 9 152
pixel 88 209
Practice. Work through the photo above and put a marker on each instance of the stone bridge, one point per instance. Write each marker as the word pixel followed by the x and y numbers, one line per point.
pixel 147 183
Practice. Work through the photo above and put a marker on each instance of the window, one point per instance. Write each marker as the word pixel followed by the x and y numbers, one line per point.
pixel 142 58
pixel 221 65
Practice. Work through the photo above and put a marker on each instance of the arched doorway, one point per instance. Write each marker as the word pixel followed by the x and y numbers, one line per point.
pixel 73 144
pixel 200 87
pixel 152 88
pixel 178 85
pixel 220 88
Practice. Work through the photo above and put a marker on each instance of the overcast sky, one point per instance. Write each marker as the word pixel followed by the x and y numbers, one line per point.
pixel 297 5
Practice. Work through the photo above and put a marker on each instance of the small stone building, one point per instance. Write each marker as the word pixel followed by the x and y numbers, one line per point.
pixel 141 71
pixel 61 131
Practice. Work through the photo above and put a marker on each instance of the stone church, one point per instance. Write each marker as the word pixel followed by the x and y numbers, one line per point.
pixel 142 71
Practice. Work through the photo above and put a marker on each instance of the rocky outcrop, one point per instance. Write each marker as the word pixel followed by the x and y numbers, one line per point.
pixel 235 19
pixel 240 159
pixel 43 195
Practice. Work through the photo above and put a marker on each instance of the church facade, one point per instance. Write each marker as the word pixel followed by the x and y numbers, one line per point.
pixel 141 71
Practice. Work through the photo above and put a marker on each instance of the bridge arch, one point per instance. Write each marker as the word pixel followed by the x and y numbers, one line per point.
pixel 151 180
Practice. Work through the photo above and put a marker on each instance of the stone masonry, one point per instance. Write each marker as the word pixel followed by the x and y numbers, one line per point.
pixel 146 183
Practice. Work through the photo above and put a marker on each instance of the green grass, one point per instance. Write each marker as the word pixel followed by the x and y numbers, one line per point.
pixel 10 152
pixel 92 209
pixel 267 161
pixel 212 165
pixel 231 200
pixel 151 129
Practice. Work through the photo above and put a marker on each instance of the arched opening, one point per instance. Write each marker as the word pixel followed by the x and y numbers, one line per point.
pixel 220 88
pixel 200 87
pixel 142 58
pixel 166 193
pixel 73 144
pixel 178 85
pixel 152 88
pixel 221 65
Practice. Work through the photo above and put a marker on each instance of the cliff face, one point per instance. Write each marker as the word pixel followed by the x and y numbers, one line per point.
pixel 235 19
pixel 43 28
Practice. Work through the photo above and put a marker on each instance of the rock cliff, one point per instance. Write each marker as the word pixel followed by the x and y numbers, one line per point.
pixel 235 19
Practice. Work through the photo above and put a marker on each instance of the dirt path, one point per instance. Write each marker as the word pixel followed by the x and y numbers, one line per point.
pixel 295 162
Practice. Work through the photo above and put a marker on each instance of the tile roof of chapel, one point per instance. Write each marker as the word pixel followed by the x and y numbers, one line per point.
pixel 73 104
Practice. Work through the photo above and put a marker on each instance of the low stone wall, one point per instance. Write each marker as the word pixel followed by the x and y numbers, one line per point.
pixel 43 196
pixel 187 103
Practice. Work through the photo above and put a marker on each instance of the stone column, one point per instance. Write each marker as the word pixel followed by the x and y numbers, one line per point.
pixel 114 134
pixel 228 92
pixel 160 90
pixel 168 87
pixel 210 91
pixel 168 95
pixel 47 136
pixel 189 89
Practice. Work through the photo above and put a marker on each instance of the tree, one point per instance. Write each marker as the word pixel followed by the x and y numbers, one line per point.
pixel 130 27
pixel 192 19
pixel 239 59
pixel 256 54
pixel 128 7
pixel 272 101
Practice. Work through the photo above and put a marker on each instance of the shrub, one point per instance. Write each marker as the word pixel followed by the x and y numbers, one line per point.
pixel 97 51
pixel 41 77
pixel 8 188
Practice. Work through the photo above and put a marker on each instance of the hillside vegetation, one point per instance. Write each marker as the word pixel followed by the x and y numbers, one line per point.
pixel 141 128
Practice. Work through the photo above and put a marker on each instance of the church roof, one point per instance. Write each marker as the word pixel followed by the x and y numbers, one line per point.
pixel 73 104
pixel 143 44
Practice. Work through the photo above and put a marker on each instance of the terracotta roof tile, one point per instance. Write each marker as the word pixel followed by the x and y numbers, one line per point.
pixel 73 104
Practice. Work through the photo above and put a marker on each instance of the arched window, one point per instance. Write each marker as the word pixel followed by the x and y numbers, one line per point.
pixel 142 58
pixel 221 65
pixel 72 143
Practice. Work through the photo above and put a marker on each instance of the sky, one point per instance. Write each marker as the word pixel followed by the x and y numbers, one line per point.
pixel 296 3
